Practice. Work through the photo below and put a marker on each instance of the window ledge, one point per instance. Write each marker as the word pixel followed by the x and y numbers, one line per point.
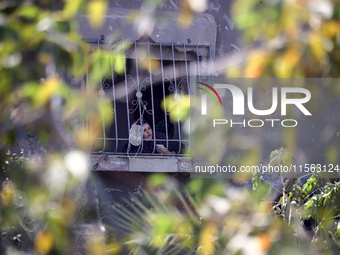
pixel 141 163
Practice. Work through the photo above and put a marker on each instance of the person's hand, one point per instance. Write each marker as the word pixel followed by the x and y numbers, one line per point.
pixel 162 151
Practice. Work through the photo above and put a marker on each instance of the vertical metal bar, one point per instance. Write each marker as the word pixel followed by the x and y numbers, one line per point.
pixel 83 89
pixel 186 68
pixel 114 100
pixel 126 96
pixel 136 57
pixel 176 92
pixel 88 122
pixel 165 112
pixel 101 84
pixel 188 81
pixel 174 66
pixel 87 74
pixel 152 102
pixel 211 66
pixel 198 63
pixel 138 88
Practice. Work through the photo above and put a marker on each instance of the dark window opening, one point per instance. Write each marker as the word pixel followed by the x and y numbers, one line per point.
pixel 144 91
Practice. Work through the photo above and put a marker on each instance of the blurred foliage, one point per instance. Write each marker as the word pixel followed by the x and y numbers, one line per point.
pixel 288 39
pixel 207 216
pixel 42 200
pixel 188 10
pixel 314 204
pixel 291 38
pixel 45 116
pixel 178 106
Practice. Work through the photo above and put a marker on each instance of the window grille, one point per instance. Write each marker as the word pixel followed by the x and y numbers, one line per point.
pixel 140 90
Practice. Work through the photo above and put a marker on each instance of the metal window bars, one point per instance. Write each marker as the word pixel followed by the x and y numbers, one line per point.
pixel 152 73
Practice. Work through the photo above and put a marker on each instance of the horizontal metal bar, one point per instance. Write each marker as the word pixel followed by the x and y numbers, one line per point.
pixel 146 43
pixel 147 140
pixel 143 155
pixel 180 50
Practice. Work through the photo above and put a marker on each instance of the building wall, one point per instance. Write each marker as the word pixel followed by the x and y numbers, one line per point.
pixel 219 9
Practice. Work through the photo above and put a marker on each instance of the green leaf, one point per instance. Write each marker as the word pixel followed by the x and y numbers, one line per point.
pixel 195 185
pixel 29 11
pixel 156 180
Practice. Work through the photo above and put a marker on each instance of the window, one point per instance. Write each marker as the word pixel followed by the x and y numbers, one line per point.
pixel 152 72
pixel 178 54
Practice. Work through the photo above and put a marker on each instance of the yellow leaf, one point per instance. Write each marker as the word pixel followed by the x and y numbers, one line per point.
pixel 150 63
pixel 44 57
pixel 7 192
pixel 43 242
pixel 178 106
pixel 113 248
pixel 96 245
pixel 315 41
pixel 256 64
pixel 46 90
pixel 185 17
pixel 331 28
pixel 283 65
pixel 207 238
pixel 292 56
pixel 71 8
pixel 85 138
pixel 291 15
pixel 234 72
pixel 264 242
pixel 96 10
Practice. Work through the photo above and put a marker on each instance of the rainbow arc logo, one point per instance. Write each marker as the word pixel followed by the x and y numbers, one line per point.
pixel 209 93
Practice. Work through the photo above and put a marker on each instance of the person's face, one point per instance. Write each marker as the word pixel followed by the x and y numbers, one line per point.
pixel 147 134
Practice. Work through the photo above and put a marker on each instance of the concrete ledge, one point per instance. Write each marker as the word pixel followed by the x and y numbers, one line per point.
pixel 109 163
pixel 140 164
pixel 153 165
